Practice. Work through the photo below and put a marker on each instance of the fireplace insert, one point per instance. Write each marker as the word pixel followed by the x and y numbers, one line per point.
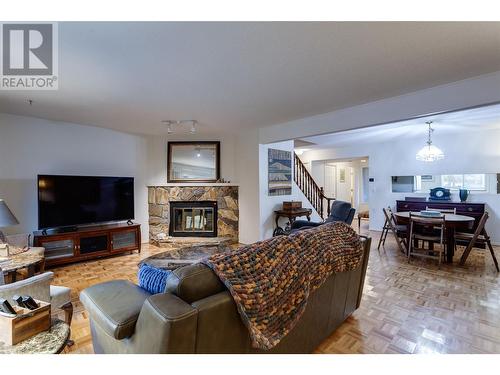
pixel 193 219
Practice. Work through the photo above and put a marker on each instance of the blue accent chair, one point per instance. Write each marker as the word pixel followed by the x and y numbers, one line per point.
pixel 341 211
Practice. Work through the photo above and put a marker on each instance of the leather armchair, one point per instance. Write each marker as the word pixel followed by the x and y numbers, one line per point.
pixel 340 211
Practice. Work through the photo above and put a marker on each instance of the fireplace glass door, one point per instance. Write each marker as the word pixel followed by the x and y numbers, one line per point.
pixel 193 219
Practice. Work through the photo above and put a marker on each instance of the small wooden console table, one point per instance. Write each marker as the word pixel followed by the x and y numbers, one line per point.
pixel 292 215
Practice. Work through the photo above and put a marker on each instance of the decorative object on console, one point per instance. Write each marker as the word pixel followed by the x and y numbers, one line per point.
pixel 7 218
pixel 439 194
pixel 464 194
pixel 292 205
pixel 193 161
pixel 430 152
pixel 279 172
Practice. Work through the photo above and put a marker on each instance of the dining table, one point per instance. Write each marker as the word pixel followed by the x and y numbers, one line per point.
pixel 452 222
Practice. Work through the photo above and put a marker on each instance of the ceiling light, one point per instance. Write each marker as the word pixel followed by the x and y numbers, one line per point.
pixel 430 152
pixel 169 124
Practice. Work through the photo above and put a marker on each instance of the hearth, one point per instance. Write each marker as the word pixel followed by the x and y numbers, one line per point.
pixel 193 219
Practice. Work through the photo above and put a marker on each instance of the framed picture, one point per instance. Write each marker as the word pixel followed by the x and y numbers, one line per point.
pixel 342 175
pixel 279 165
pixel 193 161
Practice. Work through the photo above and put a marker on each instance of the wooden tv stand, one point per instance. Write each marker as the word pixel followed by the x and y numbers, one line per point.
pixel 89 242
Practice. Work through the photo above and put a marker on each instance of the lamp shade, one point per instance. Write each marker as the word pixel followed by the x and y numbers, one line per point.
pixel 7 218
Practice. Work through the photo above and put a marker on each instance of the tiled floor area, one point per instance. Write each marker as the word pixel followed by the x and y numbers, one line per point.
pixel 406 308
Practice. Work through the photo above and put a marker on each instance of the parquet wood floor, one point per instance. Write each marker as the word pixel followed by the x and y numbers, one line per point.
pixel 406 308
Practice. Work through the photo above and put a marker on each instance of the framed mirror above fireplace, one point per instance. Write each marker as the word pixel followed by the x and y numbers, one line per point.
pixel 193 161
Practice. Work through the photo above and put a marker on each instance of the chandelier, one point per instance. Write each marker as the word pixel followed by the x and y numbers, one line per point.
pixel 169 124
pixel 430 152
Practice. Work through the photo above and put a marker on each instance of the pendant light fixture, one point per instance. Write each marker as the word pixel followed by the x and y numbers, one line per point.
pixel 430 153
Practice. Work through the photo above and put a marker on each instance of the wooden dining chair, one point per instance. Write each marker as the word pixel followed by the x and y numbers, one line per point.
pixel 419 232
pixel 478 237
pixel 399 231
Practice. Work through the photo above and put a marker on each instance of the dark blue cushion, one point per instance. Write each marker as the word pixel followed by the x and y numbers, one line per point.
pixel 153 279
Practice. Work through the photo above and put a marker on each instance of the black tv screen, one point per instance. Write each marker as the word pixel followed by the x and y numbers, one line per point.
pixel 76 200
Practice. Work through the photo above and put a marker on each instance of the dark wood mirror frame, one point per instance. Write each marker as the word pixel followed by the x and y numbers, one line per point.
pixel 193 143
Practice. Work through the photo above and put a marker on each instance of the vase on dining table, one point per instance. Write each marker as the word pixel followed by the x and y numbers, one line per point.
pixel 463 194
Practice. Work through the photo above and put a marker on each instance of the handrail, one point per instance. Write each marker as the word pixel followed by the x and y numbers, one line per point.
pixel 310 188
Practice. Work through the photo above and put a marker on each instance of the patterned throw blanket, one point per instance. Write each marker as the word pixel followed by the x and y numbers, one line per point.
pixel 271 280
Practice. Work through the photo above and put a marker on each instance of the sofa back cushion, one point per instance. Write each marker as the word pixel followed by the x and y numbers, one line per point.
pixel 194 282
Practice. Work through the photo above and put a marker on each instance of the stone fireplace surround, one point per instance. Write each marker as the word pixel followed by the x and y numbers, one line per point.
pixel 159 198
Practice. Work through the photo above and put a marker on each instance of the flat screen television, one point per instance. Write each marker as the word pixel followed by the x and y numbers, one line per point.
pixel 76 200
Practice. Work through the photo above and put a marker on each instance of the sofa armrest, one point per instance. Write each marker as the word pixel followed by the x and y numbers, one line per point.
pixel 114 306
pixel 304 223
pixel 166 324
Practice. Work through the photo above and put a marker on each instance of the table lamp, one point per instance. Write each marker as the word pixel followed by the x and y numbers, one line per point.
pixel 7 218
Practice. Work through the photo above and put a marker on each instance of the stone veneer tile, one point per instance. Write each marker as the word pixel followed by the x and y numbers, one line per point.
pixel 159 198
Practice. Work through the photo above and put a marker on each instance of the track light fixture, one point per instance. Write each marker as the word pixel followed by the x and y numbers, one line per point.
pixel 170 124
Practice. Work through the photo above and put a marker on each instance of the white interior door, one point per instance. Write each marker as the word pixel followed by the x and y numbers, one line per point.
pixel 330 183
pixel 344 184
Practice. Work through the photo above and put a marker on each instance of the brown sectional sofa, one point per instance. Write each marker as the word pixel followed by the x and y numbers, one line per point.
pixel 198 315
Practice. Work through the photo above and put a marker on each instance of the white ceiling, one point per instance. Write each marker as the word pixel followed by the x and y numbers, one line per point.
pixel 470 120
pixel 230 76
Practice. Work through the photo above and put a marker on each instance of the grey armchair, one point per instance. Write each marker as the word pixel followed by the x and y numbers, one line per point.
pixel 340 211
pixel 39 288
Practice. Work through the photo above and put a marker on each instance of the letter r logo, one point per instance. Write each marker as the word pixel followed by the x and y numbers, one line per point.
pixel 27 49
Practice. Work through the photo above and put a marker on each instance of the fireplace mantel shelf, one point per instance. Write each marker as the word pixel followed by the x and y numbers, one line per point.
pixel 194 184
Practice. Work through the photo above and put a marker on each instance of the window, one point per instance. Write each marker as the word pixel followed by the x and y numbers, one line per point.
pixel 464 181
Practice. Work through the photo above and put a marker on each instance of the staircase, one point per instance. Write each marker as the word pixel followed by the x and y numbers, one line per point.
pixel 310 188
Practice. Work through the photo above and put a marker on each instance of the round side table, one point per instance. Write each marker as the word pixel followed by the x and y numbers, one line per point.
pixel 52 341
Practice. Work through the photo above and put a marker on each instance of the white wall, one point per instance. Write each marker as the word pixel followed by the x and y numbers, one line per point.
pixel 247 175
pixel 31 146
pixel 270 203
pixel 465 152
pixel 156 165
